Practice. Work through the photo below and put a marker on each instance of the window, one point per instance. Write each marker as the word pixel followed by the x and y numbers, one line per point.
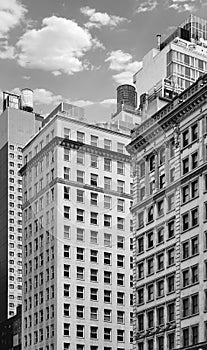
pixel 94 294
pixel 185 163
pixel 194 188
pixel 93 332
pixel 80 253
pixel 66 271
pixel 94 256
pixel 80 196
pixel 160 315
pixel 107 202
pixel 80 157
pixel 66 133
pixel 66 251
pixel 185 137
pixel 120 298
pixel 150 240
pixel 152 162
pixel 150 213
pixel 194 216
pixel 195 334
pixel 194 304
pixel 80 215
pixel 80 311
pixel 160 235
pixel 107 277
pixel 66 154
pixel 120 186
pixel 94 161
pixel 140 270
pixel 185 221
pixel 194 132
pixel 80 176
pixel 171 229
pixel 107 258
pixel 66 291
pixel 142 192
pixel 160 289
pixel 120 260
pixel 162 156
pixel 107 164
pixel 107 296
pixel 160 207
pixel 194 160
pixel 140 244
pixel 120 335
pixel 107 220
pixel 66 212
pixel 120 223
pixel 66 310
pixel 171 284
pixel 172 174
pixel 171 341
pixel 186 310
pixel 107 334
pixel 171 256
pixel 120 242
pixel 94 237
pixel 194 245
pixel 94 275
pixel 140 296
pixel 107 144
pixel 140 322
pixel 80 137
pixel 120 168
pixel 170 312
pixel 107 240
pixel 94 218
pixel 162 181
pixel 80 273
pixel 171 202
pixel 150 292
pixel 107 315
pixel 150 318
pixel 160 261
pixel 79 331
pixel 107 184
pixel 142 169
pixel 94 313
pixel 80 234
pixel 120 279
pixel 94 140
pixel 141 219
pixel 94 180
pixel 186 337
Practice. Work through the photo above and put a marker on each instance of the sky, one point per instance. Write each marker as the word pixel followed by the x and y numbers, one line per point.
pixel 79 51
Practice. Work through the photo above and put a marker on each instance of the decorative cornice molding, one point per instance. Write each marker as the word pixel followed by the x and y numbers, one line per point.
pixel 170 115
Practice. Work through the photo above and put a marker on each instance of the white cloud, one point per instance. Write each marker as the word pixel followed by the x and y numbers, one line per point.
pixel 109 101
pixel 122 62
pixel 6 51
pixel 11 14
pixel 100 19
pixel 46 97
pixel 59 46
pixel 81 103
pixel 148 5
pixel 184 5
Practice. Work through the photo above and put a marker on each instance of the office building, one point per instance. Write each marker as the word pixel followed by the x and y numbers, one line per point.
pixel 11 332
pixel 77 246
pixel 173 66
pixel 17 124
pixel 169 156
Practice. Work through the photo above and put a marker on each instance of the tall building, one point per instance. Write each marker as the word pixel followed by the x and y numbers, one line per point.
pixel 173 66
pixel 77 238
pixel 17 124
pixel 169 156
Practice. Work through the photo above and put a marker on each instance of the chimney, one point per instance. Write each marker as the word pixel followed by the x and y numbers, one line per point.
pixel 158 41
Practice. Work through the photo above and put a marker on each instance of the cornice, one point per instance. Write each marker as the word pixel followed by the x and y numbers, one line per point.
pixel 169 116
pixel 75 145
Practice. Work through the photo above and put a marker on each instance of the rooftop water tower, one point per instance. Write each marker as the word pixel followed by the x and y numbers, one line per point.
pixel 27 99
pixel 126 97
